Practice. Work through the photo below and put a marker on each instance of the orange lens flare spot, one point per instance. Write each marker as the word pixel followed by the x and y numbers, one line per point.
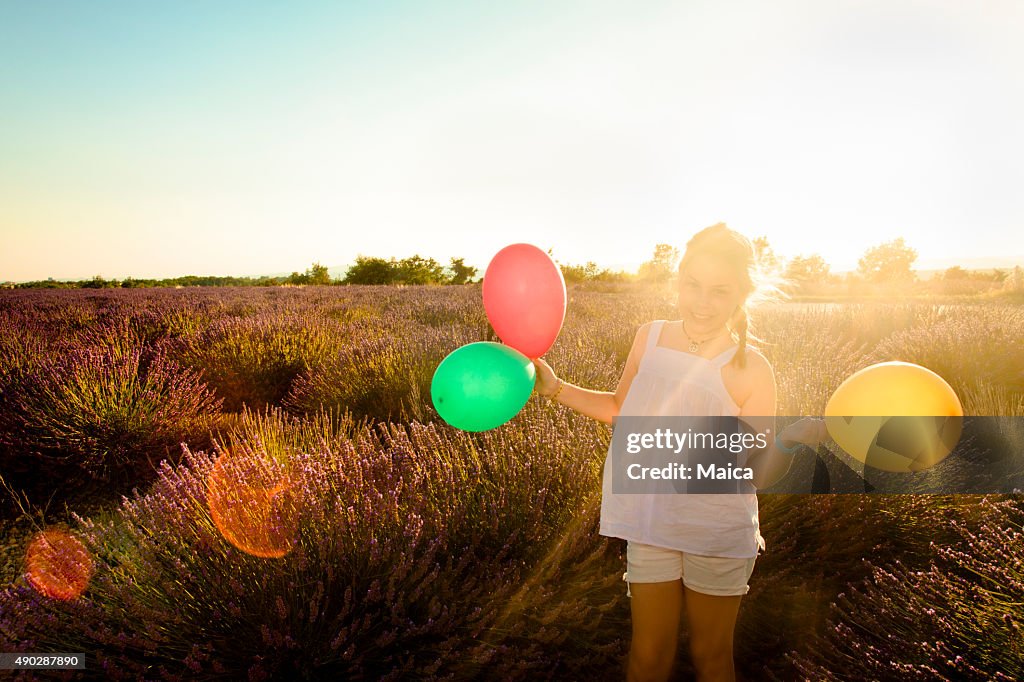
pixel 253 504
pixel 58 565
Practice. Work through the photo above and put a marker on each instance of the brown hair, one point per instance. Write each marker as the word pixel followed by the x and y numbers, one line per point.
pixel 755 286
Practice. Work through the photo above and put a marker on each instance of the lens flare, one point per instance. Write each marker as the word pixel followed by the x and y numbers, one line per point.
pixel 253 503
pixel 58 565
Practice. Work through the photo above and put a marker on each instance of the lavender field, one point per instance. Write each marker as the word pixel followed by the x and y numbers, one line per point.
pixel 402 548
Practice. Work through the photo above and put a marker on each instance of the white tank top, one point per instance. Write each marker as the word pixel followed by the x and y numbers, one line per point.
pixel 668 383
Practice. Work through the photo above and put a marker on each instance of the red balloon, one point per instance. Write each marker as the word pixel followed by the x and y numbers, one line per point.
pixel 524 296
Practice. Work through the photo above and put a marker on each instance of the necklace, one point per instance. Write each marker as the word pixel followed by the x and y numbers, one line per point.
pixel 696 345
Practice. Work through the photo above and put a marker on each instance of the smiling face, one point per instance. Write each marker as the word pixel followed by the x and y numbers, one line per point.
pixel 710 289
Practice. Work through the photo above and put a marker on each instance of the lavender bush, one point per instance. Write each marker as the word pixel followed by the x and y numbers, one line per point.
pixel 988 360
pixel 109 408
pixel 383 374
pixel 252 361
pixel 960 618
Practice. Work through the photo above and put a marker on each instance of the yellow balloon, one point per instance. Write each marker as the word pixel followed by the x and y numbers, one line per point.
pixel 895 416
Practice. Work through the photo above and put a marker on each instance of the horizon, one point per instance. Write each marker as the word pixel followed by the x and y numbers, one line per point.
pixel 161 141
pixel 338 271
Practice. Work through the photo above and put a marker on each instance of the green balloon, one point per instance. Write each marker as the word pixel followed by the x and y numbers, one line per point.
pixel 482 385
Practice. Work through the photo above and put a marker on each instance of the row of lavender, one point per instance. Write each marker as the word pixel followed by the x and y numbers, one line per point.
pixel 429 552
pixel 126 375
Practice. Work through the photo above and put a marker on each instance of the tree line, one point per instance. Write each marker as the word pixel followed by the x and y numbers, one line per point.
pixel 885 264
pixel 366 270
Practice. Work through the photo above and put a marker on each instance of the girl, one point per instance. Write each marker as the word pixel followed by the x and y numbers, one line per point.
pixel 698 365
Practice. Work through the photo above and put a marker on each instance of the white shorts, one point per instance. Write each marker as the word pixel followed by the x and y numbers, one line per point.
pixel 715 575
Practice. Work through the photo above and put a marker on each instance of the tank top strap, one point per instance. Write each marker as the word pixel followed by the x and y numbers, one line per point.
pixel 653 335
pixel 723 358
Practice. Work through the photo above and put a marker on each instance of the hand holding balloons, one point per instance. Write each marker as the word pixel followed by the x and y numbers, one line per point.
pixel 482 385
pixel 546 379
pixel 810 431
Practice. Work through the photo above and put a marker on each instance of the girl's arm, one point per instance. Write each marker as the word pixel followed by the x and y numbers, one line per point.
pixel 770 465
pixel 758 410
pixel 600 405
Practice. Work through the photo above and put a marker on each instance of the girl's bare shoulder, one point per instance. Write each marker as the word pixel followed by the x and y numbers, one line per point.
pixel 644 330
pixel 757 363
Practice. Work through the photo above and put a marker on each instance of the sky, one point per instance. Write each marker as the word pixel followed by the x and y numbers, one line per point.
pixel 245 138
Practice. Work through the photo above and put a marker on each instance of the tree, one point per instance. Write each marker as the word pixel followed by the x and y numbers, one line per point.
pixel 573 273
pixel 580 273
pixel 97 282
pixel 955 272
pixel 419 270
pixel 810 270
pixel 888 262
pixel 764 254
pixel 1015 280
pixel 460 272
pixel 608 275
pixel 661 265
pixel 371 271
pixel 318 274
